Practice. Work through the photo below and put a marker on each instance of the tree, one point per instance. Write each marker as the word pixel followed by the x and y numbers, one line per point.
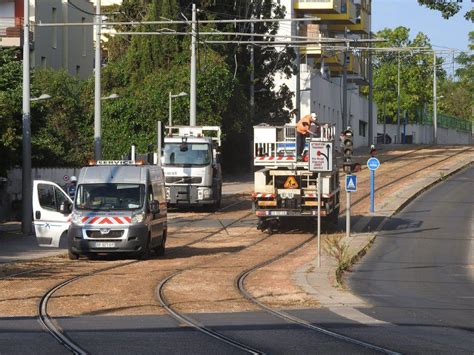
pixel 447 8
pixel 416 71
pixel 458 95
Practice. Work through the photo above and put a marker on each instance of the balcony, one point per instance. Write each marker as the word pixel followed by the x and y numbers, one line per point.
pixel 363 18
pixel 10 31
pixel 318 6
pixel 357 69
pixel 346 15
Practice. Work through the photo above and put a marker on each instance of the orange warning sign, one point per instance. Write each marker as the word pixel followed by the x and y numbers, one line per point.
pixel 291 183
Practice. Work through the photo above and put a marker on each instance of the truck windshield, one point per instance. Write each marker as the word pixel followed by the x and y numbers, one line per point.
pixel 196 154
pixel 110 196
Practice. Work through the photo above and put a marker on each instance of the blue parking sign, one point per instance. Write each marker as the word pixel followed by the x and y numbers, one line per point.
pixel 351 183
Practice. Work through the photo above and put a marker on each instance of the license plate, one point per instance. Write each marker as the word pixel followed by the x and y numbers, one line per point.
pixel 103 245
pixel 278 213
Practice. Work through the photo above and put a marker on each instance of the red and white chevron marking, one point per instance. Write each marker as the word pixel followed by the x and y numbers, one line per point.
pixel 106 220
pixel 275 158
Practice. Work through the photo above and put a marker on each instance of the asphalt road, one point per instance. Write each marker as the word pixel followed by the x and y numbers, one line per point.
pixel 419 275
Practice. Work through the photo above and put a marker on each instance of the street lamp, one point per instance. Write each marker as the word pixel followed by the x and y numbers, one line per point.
pixel 40 98
pixel 170 114
pixel 110 97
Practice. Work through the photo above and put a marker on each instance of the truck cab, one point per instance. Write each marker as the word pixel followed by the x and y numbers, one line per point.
pixel 119 207
pixel 191 165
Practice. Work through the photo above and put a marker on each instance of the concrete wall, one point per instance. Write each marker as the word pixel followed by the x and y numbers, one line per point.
pixel 10 191
pixel 423 134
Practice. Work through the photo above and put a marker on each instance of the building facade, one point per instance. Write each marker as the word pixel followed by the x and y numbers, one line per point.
pixel 68 47
pixel 321 64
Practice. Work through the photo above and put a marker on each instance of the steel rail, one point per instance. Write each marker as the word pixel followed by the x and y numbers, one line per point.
pixel 160 294
pixel 46 320
pixel 196 325
pixel 240 284
pixel 409 174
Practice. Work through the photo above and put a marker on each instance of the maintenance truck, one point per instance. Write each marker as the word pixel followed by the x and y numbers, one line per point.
pixel 192 166
pixel 285 187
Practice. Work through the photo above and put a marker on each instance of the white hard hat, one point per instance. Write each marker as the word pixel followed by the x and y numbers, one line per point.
pixel 73 179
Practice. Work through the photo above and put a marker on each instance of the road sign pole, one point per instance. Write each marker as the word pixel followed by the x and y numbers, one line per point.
pixel 372 183
pixel 348 214
pixel 319 219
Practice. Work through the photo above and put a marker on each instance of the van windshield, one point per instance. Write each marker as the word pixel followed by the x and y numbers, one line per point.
pixel 110 197
pixel 192 154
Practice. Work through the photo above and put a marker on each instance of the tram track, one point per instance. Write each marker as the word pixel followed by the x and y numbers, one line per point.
pixel 48 323
pixel 403 177
pixel 181 317
pixel 240 285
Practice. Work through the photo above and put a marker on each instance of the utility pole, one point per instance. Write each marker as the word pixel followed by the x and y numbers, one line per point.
pixel 345 121
pixel 435 103
pixel 192 91
pixel 97 103
pixel 398 100
pixel 26 199
pixel 298 76
pixel 371 98
pixel 252 75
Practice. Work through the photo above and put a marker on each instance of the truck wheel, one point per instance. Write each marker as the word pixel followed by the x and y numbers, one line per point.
pixel 72 255
pixel 160 250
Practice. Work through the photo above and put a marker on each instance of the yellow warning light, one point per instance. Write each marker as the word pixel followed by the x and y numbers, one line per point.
pixel 291 183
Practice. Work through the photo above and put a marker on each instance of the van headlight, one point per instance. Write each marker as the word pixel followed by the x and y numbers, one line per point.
pixel 76 218
pixel 138 217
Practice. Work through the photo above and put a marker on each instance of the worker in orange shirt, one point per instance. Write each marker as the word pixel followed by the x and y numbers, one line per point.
pixel 302 131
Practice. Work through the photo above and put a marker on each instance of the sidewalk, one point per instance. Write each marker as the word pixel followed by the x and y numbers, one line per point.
pixel 321 282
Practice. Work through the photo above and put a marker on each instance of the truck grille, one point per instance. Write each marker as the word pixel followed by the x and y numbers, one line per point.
pixel 183 180
pixel 109 235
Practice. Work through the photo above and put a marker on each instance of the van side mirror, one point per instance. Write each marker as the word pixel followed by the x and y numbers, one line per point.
pixel 65 207
pixel 154 207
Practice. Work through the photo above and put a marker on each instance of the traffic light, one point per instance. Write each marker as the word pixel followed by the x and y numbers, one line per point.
pixel 347 146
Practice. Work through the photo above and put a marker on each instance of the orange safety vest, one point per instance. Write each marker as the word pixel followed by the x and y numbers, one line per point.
pixel 303 124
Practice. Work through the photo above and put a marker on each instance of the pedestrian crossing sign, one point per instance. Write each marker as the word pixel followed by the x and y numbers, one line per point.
pixel 351 183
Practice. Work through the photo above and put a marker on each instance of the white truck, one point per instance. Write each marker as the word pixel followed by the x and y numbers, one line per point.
pixel 284 185
pixel 192 166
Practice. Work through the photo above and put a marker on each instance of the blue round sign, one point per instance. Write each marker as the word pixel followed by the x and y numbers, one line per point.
pixel 373 164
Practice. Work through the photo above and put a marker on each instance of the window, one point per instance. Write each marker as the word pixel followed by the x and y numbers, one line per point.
pixel 110 196
pixel 43 62
pixel 46 197
pixel 50 197
pixel 180 154
pixel 78 69
pixel 55 29
pixel 362 128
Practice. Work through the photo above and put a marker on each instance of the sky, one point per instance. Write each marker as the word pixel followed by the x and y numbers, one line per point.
pixel 451 33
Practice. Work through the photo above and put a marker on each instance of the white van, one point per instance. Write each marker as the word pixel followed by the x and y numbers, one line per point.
pixel 119 207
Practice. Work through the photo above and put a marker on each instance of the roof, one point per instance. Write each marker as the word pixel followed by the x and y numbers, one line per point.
pixel 113 174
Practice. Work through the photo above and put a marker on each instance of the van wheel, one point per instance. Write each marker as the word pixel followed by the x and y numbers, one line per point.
pixel 72 255
pixel 160 250
pixel 144 254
